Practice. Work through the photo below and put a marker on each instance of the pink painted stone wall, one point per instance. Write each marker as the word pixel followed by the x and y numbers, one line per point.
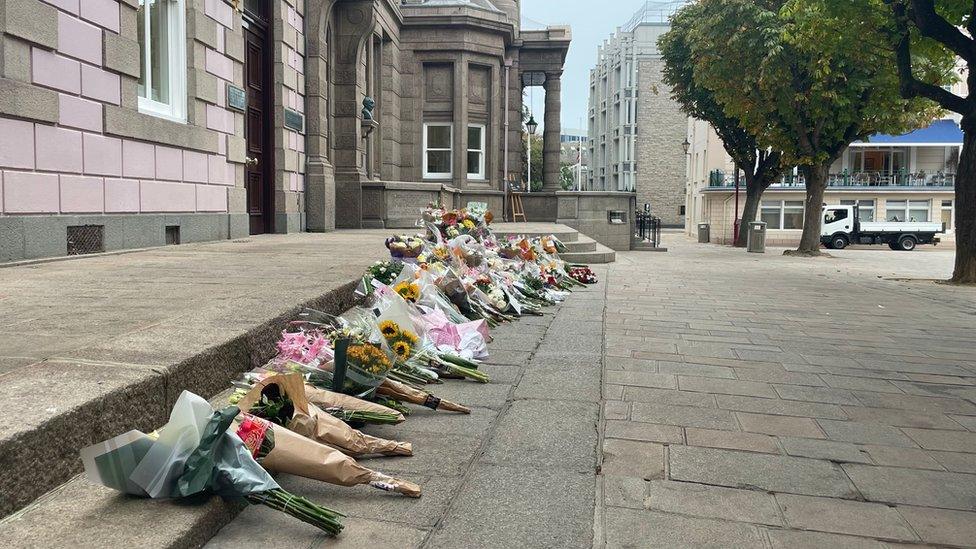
pixel 72 167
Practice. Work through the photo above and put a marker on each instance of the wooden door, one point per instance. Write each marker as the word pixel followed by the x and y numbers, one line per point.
pixel 258 171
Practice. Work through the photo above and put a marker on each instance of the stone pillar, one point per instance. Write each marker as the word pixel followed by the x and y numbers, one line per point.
pixel 550 137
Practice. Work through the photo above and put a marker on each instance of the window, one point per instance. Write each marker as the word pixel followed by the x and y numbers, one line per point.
pixel 438 150
pixel 947 215
pixel 162 78
pixel 476 152
pixel 782 214
pixel 865 208
pixel 833 216
pixel 908 210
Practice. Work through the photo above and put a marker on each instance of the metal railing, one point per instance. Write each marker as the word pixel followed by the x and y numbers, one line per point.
pixel 718 179
pixel 647 228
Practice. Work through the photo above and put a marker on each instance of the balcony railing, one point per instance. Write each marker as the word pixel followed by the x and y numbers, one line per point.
pixel 718 179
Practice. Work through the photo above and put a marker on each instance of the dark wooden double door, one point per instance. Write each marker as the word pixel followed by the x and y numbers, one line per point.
pixel 258 121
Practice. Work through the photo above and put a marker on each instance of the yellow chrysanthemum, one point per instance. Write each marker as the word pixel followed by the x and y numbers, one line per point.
pixel 468 224
pixel 389 328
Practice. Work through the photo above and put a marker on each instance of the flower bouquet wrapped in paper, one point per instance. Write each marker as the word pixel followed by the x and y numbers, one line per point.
pixel 192 454
pixel 406 393
pixel 281 399
pixel 281 450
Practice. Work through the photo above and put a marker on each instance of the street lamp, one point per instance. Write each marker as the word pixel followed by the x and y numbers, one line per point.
pixel 685 145
pixel 531 126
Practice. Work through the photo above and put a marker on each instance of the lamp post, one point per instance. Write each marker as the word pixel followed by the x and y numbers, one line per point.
pixel 531 126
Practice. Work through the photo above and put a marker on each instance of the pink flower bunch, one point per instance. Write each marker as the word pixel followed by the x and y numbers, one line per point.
pixel 303 347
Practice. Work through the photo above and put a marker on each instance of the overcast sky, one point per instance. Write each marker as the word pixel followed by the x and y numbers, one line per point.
pixel 592 21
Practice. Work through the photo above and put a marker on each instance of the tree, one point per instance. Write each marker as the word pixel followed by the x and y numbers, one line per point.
pixel 567 177
pixel 808 77
pixel 537 164
pixel 760 165
pixel 926 43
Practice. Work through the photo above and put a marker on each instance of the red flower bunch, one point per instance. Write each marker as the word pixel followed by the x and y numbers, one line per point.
pixel 583 275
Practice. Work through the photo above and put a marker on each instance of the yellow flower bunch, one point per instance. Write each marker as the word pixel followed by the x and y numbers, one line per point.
pixel 468 224
pixel 441 252
pixel 402 349
pixel 401 341
pixel 389 328
pixel 369 358
pixel 407 290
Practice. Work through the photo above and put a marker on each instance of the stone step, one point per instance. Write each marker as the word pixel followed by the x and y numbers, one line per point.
pixel 600 255
pixel 564 233
pixel 582 244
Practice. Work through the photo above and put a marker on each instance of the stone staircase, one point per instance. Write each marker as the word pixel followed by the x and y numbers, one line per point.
pixel 579 247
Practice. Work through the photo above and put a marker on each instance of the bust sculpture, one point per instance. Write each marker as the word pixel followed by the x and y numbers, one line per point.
pixel 368 105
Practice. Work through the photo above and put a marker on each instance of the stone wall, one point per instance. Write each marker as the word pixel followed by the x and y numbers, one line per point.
pixel 661 161
pixel 289 81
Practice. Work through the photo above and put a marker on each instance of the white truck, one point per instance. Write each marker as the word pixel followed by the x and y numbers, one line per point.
pixel 842 226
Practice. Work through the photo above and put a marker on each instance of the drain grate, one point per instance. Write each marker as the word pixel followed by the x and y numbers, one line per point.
pixel 86 239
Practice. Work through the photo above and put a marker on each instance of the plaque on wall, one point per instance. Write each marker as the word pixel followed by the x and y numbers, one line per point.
pixel 294 120
pixel 236 98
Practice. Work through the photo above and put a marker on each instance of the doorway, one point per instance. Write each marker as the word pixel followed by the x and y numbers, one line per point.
pixel 258 117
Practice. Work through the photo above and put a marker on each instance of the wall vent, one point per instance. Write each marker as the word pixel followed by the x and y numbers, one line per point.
pixel 172 235
pixel 86 239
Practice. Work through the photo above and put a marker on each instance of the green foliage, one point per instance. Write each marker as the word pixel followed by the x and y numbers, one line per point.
pixel 536 161
pixel 806 76
pixel 567 177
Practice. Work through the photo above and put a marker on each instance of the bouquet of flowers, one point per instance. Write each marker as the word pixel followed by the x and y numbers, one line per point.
pixel 195 453
pixel 281 450
pixel 402 246
pixel 281 400
pixel 582 274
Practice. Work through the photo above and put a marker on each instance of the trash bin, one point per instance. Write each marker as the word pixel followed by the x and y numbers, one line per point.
pixel 756 241
pixel 704 233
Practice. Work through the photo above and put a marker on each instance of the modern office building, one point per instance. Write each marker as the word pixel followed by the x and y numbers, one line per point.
pixel 895 178
pixel 127 124
pixel 636 130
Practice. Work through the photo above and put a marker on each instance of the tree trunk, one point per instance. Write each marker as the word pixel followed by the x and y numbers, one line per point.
pixel 816 180
pixel 754 192
pixel 965 270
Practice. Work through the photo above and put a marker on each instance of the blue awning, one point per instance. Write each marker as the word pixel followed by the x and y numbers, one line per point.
pixel 940 132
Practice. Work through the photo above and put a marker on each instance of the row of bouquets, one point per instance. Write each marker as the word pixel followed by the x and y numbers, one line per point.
pixel 230 453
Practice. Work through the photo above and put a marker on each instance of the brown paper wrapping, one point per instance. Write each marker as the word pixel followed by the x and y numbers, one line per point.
pixel 329 399
pixel 406 393
pixel 309 420
pixel 297 455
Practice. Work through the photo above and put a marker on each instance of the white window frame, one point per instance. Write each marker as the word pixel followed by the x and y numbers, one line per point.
pixel 450 172
pixel 480 174
pixel 781 207
pixel 910 205
pixel 176 42
pixel 860 203
pixel 951 208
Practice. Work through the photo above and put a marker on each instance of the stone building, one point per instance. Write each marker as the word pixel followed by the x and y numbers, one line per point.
pixel 135 123
pixel 636 130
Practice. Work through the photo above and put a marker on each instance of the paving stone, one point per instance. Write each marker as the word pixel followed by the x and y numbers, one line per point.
pixel 861 383
pixel 446 453
pixel 916 403
pixel 491 395
pixel 534 432
pixel 616 410
pixel 767 472
pixel 816 394
pixel 913 486
pixel 573 384
pixel 896 456
pixel 844 517
pixel 725 386
pixel 824 449
pixel 620 491
pixel 702 500
pixel 949 441
pixel 769 375
pixel 901 418
pixel 780 407
pixel 628 528
pixel 631 365
pixel 507 507
pixel 955 461
pixel 865 433
pixel 663 396
pixel 641 379
pixel 941 525
pixel 685 416
pixel 689 369
pixel 515 358
pixel 779 425
pixel 731 440
pixel 631 458
pixel 796 539
pixel 647 432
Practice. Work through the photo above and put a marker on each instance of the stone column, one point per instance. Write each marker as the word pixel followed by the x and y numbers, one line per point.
pixel 550 137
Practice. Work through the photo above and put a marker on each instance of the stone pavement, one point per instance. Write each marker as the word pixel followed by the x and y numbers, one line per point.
pixel 765 401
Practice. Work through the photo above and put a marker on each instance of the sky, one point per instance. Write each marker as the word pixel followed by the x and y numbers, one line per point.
pixel 592 22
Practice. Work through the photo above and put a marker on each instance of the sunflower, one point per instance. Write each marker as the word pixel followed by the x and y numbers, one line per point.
pixel 409 337
pixel 402 349
pixel 389 328
pixel 407 290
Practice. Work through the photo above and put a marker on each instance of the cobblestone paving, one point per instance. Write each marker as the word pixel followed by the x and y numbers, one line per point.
pixel 765 401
